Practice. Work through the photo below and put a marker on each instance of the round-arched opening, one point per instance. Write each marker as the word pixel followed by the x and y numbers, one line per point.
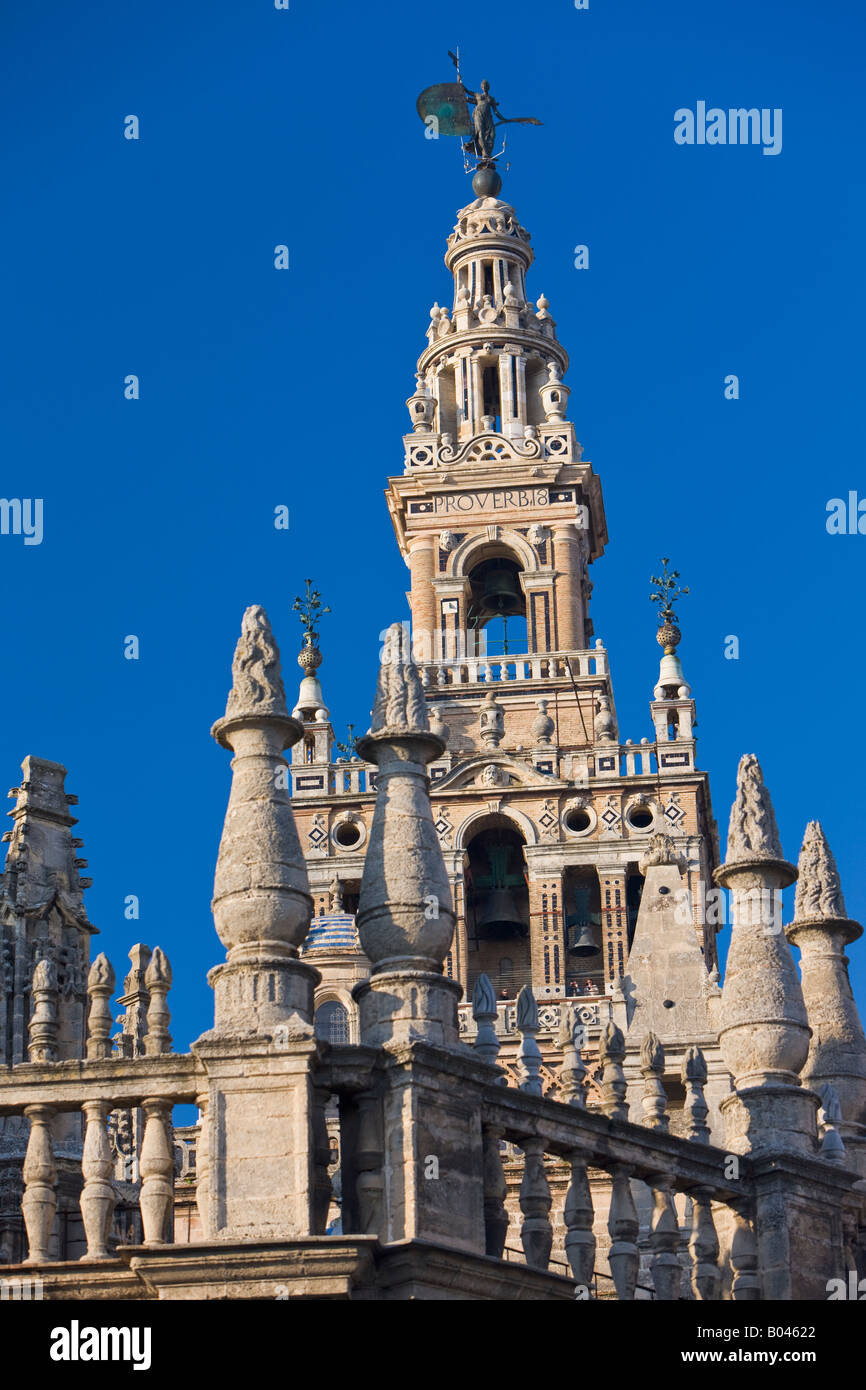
pixel 584 964
pixel 496 905
pixel 331 1022
pixel 347 834
pixel 497 604
pixel 578 821
pixel 640 817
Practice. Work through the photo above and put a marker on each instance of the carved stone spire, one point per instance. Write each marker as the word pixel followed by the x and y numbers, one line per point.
pixel 257 684
pixel 821 930
pixel 405 916
pixel 752 830
pixel 763 1028
pixel 819 892
pixel 42 912
pixel 262 904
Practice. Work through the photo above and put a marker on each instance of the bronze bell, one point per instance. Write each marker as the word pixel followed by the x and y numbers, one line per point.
pixel 501 591
pixel 582 940
pixel 579 926
pixel 499 917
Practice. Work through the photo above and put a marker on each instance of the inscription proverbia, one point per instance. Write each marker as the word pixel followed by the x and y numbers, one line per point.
pixel 448 503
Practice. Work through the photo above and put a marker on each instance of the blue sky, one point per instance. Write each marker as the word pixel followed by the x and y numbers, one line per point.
pixel 261 387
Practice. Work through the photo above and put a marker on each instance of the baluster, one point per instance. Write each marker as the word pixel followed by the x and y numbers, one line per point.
pixel 746 1285
pixel 572 1072
pixel 665 1267
pixel 484 1012
pixel 100 987
pixel 98 1196
pixel 528 1053
pixel 202 1166
pixel 157 979
pixel 495 1191
pixel 536 1233
pixel 369 1162
pixel 694 1076
pixel 156 1166
pixel 611 1052
pixel 43 1024
pixel 829 1116
pixel 654 1100
pixel 704 1247
pixel 623 1228
pixel 322 1188
pixel 578 1217
pixel 39 1203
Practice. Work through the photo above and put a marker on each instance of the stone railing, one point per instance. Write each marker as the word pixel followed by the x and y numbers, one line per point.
pixel 521 1126
pixel 534 666
pixel 592 1012
pixel 40 1092
pixel 140 1074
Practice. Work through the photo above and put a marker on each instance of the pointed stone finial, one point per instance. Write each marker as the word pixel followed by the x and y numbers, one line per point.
pixel 819 891
pixel 158 981
pixel 763 1029
pixel 135 999
pixel 485 1013
pixel 654 1100
pixel 262 904
pixel 43 1024
pixel 573 1071
pixel 837 1052
pixel 611 1053
pixel 400 706
pixel 528 1053
pixel 752 831
pixel 100 987
pixel 257 685
pixel 694 1078
pixel 405 916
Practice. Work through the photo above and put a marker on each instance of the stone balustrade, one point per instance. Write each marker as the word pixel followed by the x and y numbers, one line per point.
pixel 529 666
pixel 593 1012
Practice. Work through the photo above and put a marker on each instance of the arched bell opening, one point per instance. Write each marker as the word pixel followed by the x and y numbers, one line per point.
pixel 497 907
pixel 497 604
pixel 581 894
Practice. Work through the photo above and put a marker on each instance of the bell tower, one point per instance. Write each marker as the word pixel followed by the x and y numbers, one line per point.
pixel 544 813
pixel 496 514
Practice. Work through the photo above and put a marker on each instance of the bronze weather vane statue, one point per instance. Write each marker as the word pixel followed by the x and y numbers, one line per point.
pixel 448 105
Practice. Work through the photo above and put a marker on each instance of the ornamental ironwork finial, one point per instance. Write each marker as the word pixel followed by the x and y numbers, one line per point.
pixel 667 591
pixel 311 610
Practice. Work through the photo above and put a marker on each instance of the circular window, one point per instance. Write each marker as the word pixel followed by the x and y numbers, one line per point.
pixel 578 820
pixel 347 834
pixel 640 818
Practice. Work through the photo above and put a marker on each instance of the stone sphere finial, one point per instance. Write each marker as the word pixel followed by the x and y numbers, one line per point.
pixel 486 182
